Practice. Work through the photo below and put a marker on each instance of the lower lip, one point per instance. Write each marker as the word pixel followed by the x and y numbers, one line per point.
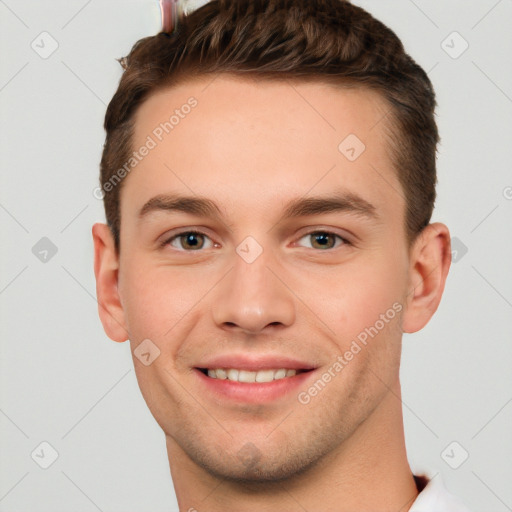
pixel 253 392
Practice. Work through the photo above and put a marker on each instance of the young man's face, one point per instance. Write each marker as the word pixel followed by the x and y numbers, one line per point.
pixel 265 286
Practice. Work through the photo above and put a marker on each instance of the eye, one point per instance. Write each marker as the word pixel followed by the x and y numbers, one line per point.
pixel 324 240
pixel 189 241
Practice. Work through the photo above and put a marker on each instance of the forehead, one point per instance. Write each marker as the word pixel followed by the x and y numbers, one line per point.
pixel 260 142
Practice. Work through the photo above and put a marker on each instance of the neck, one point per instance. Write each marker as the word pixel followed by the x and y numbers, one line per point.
pixel 368 472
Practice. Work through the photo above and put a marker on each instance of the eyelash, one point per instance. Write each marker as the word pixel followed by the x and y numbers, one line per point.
pixel 309 233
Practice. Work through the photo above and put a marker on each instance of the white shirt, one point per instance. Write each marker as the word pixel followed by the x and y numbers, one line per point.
pixel 435 498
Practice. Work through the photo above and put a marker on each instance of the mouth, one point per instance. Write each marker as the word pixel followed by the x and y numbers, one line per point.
pixel 253 385
pixel 252 378
pixel 249 376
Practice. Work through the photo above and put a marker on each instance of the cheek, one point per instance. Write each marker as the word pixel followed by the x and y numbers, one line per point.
pixel 361 295
pixel 158 300
pixel 144 298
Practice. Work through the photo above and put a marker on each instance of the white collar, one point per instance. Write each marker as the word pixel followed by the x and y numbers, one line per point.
pixel 435 497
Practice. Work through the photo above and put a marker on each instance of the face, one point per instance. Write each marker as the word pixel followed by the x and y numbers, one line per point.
pixel 261 239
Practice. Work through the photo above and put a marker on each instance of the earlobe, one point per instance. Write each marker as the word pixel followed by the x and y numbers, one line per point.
pixel 429 266
pixel 106 271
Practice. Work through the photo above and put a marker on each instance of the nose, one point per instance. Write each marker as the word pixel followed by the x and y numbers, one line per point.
pixel 252 298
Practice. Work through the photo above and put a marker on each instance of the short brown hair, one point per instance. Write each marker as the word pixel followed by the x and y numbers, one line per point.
pixel 330 41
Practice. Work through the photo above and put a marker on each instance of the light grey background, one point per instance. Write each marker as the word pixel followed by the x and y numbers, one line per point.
pixel 65 383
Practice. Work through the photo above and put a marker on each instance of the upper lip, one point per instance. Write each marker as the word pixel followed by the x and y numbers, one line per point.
pixel 255 363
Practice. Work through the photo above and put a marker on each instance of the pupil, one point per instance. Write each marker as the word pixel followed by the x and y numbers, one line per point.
pixel 191 240
pixel 322 239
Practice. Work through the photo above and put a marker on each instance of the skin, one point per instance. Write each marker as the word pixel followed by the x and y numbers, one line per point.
pixel 252 147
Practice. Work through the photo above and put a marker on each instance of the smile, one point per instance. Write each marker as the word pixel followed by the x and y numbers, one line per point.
pixel 248 376
pixel 256 386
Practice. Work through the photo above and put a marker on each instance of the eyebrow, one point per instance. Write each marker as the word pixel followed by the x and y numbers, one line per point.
pixel 346 202
pixel 199 206
pixel 301 207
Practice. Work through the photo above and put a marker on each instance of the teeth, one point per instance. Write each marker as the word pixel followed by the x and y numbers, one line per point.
pixel 248 376
pixel 231 374
pixel 280 374
pixel 265 376
pixel 245 376
pixel 221 374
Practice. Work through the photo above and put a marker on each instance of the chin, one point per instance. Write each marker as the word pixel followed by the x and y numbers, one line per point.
pixel 261 469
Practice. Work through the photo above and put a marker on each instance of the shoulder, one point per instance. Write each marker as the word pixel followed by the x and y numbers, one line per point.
pixel 435 497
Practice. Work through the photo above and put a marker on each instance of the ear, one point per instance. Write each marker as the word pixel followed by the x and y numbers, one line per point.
pixel 429 264
pixel 106 270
